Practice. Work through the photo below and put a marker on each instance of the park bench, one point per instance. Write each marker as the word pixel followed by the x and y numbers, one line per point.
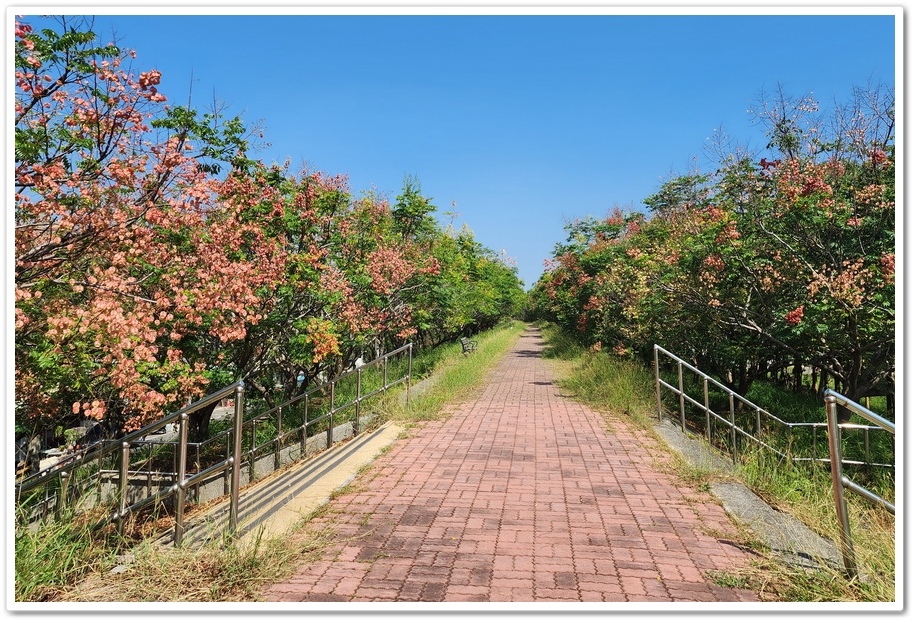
pixel 467 346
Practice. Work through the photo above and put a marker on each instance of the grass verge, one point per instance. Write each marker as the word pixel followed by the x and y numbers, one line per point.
pixel 52 558
pixel 805 492
pixel 454 378
pixel 222 570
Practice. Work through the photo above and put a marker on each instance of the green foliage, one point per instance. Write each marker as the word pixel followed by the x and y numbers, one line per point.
pixel 679 194
pixel 220 140
pixel 53 556
pixel 155 260
pixel 756 268
pixel 560 344
pixel 610 383
pixel 413 212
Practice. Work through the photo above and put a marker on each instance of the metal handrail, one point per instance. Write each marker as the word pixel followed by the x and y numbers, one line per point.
pixel 332 409
pixel 710 414
pixel 840 481
pixel 120 449
pixel 108 447
pixel 836 460
pixel 762 415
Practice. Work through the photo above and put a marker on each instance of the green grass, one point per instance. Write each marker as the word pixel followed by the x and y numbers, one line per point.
pixel 602 380
pixel 805 491
pixel 456 376
pixel 55 556
pixel 222 570
pixel 560 344
pixel 614 384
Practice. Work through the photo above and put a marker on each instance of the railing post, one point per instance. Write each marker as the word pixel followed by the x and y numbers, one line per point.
pixel 253 460
pixel 227 473
pixel 197 467
pixel 658 385
pixel 149 474
pixel 182 485
pixel 359 387
pixel 236 458
pixel 62 495
pixel 123 475
pixel 277 440
pixel 175 456
pixel 706 406
pixel 331 417
pixel 305 425
pixel 409 369
pixel 680 388
pixel 867 445
pixel 814 436
pixel 732 436
pixel 839 499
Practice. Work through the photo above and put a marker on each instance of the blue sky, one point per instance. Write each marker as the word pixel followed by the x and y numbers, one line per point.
pixel 518 123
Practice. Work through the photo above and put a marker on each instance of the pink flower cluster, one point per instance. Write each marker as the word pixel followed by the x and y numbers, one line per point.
pixel 795 316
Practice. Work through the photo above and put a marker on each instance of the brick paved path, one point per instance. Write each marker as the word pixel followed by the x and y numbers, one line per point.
pixel 522 495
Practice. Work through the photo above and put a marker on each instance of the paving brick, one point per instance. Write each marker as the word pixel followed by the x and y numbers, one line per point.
pixel 521 495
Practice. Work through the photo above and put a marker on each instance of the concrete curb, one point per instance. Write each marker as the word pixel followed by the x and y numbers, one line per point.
pixel 786 536
pixel 273 505
pixel 292 497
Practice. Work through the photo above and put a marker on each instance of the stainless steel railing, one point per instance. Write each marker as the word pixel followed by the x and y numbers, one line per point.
pixel 751 422
pixel 127 474
pixel 760 418
pixel 274 417
pixel 840 481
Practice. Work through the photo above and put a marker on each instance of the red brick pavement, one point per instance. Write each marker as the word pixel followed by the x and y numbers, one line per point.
pixel 522 495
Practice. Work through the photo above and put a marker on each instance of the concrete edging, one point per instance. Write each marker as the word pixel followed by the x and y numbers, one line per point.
pixel 785 535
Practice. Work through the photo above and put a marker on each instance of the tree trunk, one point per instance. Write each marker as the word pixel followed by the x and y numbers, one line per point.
pixel 199 423
pixel 822 382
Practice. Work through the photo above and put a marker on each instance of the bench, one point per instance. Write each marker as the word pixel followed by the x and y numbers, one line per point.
pixel 467 346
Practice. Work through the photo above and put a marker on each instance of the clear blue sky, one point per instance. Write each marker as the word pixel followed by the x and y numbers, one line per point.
pixel 524 122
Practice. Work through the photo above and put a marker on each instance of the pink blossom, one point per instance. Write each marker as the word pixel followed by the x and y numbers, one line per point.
pixel 795 316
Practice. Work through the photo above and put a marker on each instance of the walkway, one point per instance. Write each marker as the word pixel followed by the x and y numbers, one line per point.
pixel 522 495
